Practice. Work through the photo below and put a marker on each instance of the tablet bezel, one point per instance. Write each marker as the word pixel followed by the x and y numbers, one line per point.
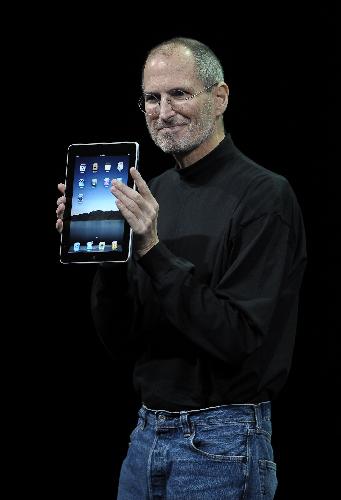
pixel 130 149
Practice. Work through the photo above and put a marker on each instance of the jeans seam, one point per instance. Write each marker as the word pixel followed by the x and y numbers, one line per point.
pixel 149 467
pixel 247 474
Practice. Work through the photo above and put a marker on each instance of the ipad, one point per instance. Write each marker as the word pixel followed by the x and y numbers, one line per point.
pixel 93 228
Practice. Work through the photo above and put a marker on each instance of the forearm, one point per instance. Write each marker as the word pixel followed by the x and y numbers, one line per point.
pixel 209 318
pixel 231 318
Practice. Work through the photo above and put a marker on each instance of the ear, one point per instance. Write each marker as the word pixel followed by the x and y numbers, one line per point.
pixel 221 97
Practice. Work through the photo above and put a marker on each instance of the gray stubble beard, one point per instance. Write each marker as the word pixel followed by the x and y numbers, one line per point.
pixel 190 141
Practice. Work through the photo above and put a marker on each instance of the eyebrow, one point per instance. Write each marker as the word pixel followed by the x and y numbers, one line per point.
pixel 182 88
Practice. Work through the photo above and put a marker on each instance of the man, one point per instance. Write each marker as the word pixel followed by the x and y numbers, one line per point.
pixel 219 255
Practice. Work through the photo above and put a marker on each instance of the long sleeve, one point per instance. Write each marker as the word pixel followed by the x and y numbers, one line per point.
pixel 113 307
pixel 232 320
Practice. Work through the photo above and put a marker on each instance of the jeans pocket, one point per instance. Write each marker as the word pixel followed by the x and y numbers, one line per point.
pixel 225 442
pixel 268 478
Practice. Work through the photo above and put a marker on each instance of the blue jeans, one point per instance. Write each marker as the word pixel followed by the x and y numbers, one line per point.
pixel 215 453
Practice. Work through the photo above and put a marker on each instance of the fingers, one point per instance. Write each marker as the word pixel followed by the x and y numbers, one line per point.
pixel 144 198
pixel 130 217
pixel 138 214
pixel 126 200
pixel 60 215
pixel 59 225
pixel 139 209
pixel 141 185
pixel 60 208
pixel 61 200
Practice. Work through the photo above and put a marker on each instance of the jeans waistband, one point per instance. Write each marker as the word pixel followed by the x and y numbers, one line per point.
pixel 243 413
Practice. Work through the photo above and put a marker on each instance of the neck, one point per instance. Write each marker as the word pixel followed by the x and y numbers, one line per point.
pixel 187 159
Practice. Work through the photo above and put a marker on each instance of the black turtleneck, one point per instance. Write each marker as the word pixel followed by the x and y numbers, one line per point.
pixel 214 303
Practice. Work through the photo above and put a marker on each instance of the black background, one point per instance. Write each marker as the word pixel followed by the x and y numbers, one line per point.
pixel 279 64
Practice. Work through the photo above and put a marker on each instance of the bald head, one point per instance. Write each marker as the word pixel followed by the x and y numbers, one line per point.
pixel 205 64
pixel 172 64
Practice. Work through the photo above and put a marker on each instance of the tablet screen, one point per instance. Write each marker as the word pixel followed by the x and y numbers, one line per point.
pixel 94 229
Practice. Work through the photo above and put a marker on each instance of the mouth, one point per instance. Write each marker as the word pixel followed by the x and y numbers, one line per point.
pixel 170 128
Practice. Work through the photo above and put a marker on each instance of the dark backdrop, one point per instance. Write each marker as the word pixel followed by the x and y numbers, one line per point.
pixel 279 66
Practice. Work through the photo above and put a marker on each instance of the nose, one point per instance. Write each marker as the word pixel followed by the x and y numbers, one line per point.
pixel 166 109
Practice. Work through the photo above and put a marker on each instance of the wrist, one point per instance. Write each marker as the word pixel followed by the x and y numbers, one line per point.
pixel 142 250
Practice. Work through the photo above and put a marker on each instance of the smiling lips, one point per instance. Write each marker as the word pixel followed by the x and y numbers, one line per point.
pixel 170 127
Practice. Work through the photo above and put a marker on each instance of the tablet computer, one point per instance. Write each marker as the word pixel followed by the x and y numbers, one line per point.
pixel 93 228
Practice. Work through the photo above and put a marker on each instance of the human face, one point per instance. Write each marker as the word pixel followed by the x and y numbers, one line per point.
pixel 181 128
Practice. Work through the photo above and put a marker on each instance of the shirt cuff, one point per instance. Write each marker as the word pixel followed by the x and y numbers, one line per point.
pixel 159 261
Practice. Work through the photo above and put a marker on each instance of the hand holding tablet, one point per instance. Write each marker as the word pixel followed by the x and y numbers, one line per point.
pixel 140 209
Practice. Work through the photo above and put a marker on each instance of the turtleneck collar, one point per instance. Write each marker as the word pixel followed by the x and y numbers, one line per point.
pixel 223 151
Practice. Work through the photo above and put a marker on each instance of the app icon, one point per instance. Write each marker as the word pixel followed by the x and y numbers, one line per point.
pixel 119 179
pixel 82 167
pixel 101 245
pixel 95 167
pixel 120 166
pixel 81 183
pixel 93 183
pixel 114 245
pixel 106 182
pixel 76 246
pixel 89 245
pixel 80 198
pixel 107 167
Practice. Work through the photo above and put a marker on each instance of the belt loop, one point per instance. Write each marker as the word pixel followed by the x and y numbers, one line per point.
pixel 185 423
pixel 258 416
